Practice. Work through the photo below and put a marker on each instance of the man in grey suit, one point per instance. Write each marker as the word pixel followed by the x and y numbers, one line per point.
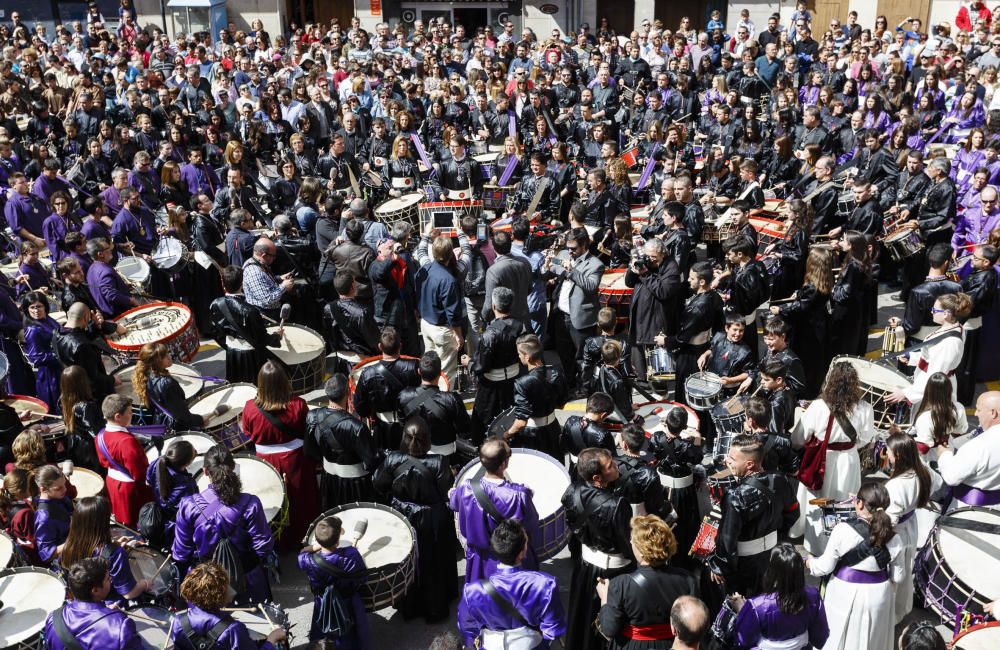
pixel 575 304
pixel 511 272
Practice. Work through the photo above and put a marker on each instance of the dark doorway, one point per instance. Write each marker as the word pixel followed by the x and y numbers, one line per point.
pixel 620 15
pixel 470 19
pixel 671 12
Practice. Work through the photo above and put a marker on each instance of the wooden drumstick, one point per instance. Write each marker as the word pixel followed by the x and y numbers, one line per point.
pixel 165 560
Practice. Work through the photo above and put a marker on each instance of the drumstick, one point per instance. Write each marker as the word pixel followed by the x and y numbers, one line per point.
pixel 165 560
pixel 238 609
pixel 145 618
pixel 170 624
pixel 264 612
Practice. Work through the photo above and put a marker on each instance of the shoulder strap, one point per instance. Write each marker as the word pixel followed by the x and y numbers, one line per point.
pixel 483 499
pixel 203 641
pixel 275 421
pixel 383 371
pixel 502 602
pixel 422 469
pixel 644 583
pixel 845 424
pixel 65 637
pixel 423 399
pixel 107 454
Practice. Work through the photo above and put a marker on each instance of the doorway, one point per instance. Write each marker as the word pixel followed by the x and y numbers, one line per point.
pixel 620 15
pixel 470 18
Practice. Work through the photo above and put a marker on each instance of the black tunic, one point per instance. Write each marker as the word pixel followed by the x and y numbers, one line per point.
pixel 649 604
pixel 233 316
pixel 538 394
pixel 808 316
pixel 336 436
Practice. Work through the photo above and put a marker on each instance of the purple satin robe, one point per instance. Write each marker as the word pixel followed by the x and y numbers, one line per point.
pixel 973 227
pixel 54 230
pixel 513 501
pixel 183 485
pixel 110 293
pixel 350 561
pixel 27 211
pixel 760 618
pixel 964 166
pixel 122 580
pixel 51 531
pixel 151 180
pixel 112 201
pixel 534 594
pixel 38 277
pixel 44 187
pixel 38 347
pixel 94 626
pixel 235 637
pixel 200 179
pixel 84 260
pixel 140 229
pixel 20 379
pixel 244 522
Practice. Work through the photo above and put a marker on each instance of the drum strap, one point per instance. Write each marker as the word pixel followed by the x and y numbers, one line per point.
pixel 489 508
pixel 864 550
pixel 422 469
pixel 967 524
pixel 275 422
pixel 845 424
pixel 426 397
pixel 203 641
pixel 503 603
pixel 238 326
pixel 65 636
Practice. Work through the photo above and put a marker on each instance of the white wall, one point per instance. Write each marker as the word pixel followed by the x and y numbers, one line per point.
pixel 945 10
pixel 363 10
pixel 759 11
pixel 542 24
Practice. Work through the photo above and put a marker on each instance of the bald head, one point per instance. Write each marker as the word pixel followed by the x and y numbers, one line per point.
pixel 264 248
pixel 78 315
pixel 988 408
pixel 989 193
pixel 689 620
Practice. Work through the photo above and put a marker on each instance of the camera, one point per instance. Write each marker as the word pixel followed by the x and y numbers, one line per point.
pixel 641 261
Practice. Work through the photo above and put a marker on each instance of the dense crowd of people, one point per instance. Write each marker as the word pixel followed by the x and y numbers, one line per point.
pixel 703 214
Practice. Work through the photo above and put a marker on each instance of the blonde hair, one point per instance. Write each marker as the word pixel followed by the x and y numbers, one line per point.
pixel 28 450
pixel 653 538
pixel 149 363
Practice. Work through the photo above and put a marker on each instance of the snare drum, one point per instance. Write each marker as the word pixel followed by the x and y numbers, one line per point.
pixel 904 243
pixel 400 209
pixel 169 323
pixel 654 413
pixel 548 480
pixel 497 197
pixel 152 623
pixel 985 636
pixel 88 483
pixel 877 381
pixel 955 568
pixel 660 366
pixel 170 255
pixel 29 595
pixel 260 479
pixel 147 564
pixel 22 403
pixel 719 483
pixel 703 390
pixel 614 294
pixel 201 443
pixel 304 352
pixel 846 203
pixel 135 271
pixel 488 162
pixel 226 428
pixel 769 231
pixel 389 547
pixel 630 157
pixel 834 512
pixel 186 376
pixel 728 418
pixel 259 624
pixel 704 542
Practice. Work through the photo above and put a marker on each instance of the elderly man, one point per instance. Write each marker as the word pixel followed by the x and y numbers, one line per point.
pixel 975 224
pixel 262 289
pixel 374 231
pixel 73 345
pixel 441 306
pixel 973 470
pixel 657 287
pixel 236 196
pixel 112 195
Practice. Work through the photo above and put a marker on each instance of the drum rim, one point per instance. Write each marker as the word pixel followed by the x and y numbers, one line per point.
pixel 974 628
pixel 217 389
pixel 13 571
pixel 690 411
pixel 522 450
pixel 27 398
pixel 938 549
pixel 131 347
pixel 861 361
pixel 238 455
pixel 414 195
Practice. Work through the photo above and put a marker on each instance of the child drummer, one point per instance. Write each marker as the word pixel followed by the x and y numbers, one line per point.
pixel 729 355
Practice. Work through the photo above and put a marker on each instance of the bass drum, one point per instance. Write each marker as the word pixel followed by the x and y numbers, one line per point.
pixel 501 423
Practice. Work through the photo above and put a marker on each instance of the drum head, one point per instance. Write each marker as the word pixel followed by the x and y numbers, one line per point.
pixel 970 553
pixel 133 268
pixel 395 205
pixel 152 323
pixel 654 413
pixel 614 280
pixel 153 632
pixel 259 479
pixel 389 539
pixel 6 549
pixel 88 482
pixel 501 422
pixel 145 564
pixel 979 637
pixel 876 375
pixel 21 403
pixel 703 384
pixel 233 395
pixel 184 374
pixel 29 594
pixel 299 345
pixel 546 477
pixel 201 443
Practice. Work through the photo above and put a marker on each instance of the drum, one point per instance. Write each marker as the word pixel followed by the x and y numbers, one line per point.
pixel 955 569
pixel 985 636
pixel 169 323
pixel 22 403
pixel 400 209
pixel 497 197
pixel 772 265
pixel 389 548
pixel 548 480
pixel 728 418
pixel 9 556
pixel 660 364
pixel 261 479
pixel 147 564
pixel 29 595
pixel 903 244
pixel 959 268
pixel 304 352
pixel 259 624
pixel 444 213
pixel 225 428
pixel 719 483
pixel 846 203
pixel 501 423
pixel 359 367
pixel 703 390
pixel 874 455
pixel 653 414
pixel 488 162
pixel 630 157
pixel 186 376
pixel 88 483
pixel 769 231
pixel 135 271
pixel 201 443
pixel 704 542
pixel 170 255
pixel 834 512
pixel 613 293
pixel 152 623
pixel 877 381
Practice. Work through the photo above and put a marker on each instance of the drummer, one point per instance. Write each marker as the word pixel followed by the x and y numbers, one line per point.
pixel 53 510
pixel 107 289
pixel 547 207
pixel 401 172
pixel 88 623
pixel 509 166
pixel 154 387
pixel 728 356
pixel 123 455
pixel 135 224
pixel 460 174
pixel 240 329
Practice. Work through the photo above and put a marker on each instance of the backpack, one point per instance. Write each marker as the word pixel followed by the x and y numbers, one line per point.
pixel 227 555
pixel 333 618
pixel 152 523
pixel 202 641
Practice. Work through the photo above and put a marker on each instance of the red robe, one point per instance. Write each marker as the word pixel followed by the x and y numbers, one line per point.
pixel 126 498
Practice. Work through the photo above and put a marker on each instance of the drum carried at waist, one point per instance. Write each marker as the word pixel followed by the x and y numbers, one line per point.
pixel 614 294
pixel 904 243
pixel 704 390
pixel 226 428
pixel 877 381
pixel 135 271
pixel 303 351
pixel 498 199
pixel 169 323
pixel 170 255
pixel 401 209
pixel 263 481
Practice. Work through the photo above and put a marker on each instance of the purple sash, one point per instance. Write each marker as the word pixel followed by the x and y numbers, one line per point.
pixel 107 455
pixel 420 151
pixel 647 171
pixel 511 123
pixel 908 516
pixel 976 497
pixel 859 577
pixel 508 171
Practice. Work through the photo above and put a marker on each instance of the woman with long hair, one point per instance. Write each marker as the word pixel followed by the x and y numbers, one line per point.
pixel 788 613
pixel 275 420
pixel 619 184
pixel 910 486
pixel 849 316
pixel 156 389
pixel 35 276
pixel 643 598
pixel 416 482
pixel 53 510
pixel 510 158
pixel 285 190
pixel 968 113
pixel 970 157
pixel 224 511
pixel 17 513
pixel 401 173
pixel 173 190
pixel 97 166
pixel 169 477
pixel 875 115
pixel 939 418
pixel 90 536
pixel 792 250
pixel 859 594
pixel 782 168
pixel 39 329
pixel 807 314
pixel 847 422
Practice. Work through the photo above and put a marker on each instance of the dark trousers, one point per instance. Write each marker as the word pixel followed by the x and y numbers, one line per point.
pixel 569 344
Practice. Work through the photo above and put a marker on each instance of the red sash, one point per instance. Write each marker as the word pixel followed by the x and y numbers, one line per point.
pixel 659 632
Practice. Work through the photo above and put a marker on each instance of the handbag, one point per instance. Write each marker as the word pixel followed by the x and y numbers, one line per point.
pixel 812 470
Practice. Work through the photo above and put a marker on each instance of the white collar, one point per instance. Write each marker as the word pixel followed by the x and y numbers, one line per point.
pixel 114 427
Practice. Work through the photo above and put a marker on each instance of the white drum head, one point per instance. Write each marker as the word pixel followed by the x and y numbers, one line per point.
pixel 152 635
pixel 259 479
pixel 21 403
pixel 145 562
pixel 133 268
pixel 159 321
pixel 6 549
pixel 88 483
pixel 184 375
pixel 201 443
pixel 876 375
pixel 169 247
pixel 29 594
pixel 234 395
pixel 388 539
pixel 546 477
pixel 654 413
pixel 486 157
pixel 970 554
pixel 984 637
pixel 299 345
pixel 256 625
pixel 614 280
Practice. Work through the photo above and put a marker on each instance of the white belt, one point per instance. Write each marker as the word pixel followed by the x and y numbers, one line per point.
pixel 234 343
pixel 444 450
pixel 402 182
pixel 701 338
pixel 500 374
pixel 638 509
pixel 925 331
pixel 119 476
pixel 750 318
pixel 796 642
pixel 542 421
pixel 676 483
pixel 279 448
pixel 378 160
pixel 601 559
pixel 520 638
pixel 573 458
pixel 974 323
pixel 756 546
pixel 459 195
pixel 387 416
pixel 357 470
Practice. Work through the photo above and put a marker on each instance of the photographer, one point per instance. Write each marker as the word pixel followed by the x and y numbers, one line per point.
pixel 656 281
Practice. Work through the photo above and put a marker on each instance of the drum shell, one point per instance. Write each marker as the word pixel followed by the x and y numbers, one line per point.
pixel 703 400
pixel 183 342
pixel 613 294
pixel 728 418
pixel 877 381
pixel 985 636
pixel 170 255
pixel 305 375
pixel 229 430
pixel 903 244
pixel 21 587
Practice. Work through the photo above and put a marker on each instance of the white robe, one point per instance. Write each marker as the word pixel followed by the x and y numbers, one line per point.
pixel 843 468
pixel 975 464
pixel 941 356
pixel 860 616
pixel 904 493
pixel 923 428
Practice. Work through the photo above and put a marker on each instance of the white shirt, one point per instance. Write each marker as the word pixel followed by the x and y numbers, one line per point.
pixel 941 356
pixel 923 428
pixel 976 464
pixel 813 423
